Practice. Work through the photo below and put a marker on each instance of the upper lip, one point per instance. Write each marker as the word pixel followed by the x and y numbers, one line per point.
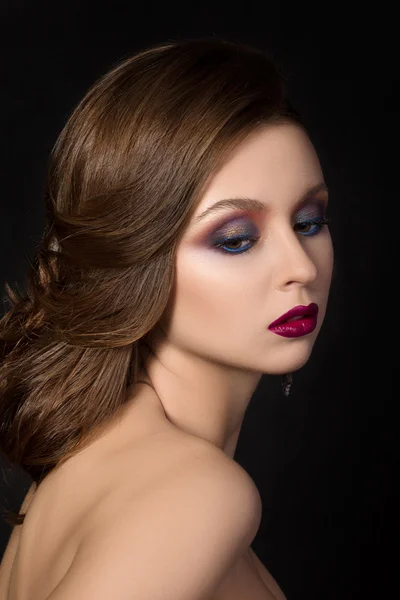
pixel 297 311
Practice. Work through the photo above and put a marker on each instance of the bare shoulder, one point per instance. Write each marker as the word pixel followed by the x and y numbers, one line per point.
pixel 176 541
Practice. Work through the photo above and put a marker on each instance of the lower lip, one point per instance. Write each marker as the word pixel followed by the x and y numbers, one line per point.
pixel 292 329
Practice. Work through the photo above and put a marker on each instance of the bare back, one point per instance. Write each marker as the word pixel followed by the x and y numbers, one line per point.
pixel 102 482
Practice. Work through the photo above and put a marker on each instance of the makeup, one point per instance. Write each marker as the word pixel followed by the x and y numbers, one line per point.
pixel 236 232
pixel 297 322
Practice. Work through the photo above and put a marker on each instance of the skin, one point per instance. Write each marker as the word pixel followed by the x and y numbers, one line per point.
pixel 213 346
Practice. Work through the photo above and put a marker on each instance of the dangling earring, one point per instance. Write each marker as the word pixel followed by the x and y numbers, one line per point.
pixel 287 380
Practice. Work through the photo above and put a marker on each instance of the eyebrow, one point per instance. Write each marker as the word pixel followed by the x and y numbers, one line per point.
pixel 257 205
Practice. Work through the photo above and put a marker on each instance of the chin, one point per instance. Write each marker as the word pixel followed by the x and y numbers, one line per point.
pixel 289 359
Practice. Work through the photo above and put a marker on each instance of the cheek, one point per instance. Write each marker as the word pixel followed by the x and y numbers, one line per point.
pixel 328 257
pixel 209 295
pixel 323 258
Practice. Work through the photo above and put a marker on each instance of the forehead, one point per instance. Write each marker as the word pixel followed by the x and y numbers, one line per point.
pixel 276 161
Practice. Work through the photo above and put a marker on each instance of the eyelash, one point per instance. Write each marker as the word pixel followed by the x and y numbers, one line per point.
pixel 319 223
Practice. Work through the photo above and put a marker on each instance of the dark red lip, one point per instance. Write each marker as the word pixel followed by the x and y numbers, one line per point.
pixel 298 311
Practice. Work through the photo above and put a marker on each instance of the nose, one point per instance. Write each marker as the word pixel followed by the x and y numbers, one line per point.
pixel 296 264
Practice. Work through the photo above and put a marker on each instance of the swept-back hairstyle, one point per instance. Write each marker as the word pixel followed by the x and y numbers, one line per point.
pixel 124 178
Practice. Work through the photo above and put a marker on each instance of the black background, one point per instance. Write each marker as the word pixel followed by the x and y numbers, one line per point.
pixel 323 459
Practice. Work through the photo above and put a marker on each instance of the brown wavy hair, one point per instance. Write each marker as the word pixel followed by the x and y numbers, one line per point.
pixel 123 180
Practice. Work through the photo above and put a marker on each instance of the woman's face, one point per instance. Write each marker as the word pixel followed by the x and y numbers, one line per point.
pixel 229 290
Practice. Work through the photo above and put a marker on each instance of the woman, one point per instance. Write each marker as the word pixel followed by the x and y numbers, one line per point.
pixel 185 255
